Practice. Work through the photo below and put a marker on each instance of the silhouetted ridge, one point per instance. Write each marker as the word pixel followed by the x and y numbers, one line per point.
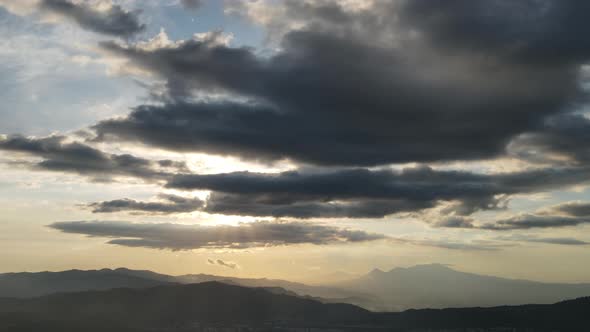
pixel 208 302
pixel 213 303
pixel 26 284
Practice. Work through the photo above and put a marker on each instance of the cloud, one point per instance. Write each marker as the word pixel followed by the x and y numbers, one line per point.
pixel 339 193
pixel 576 208
pixel 219 262
pixel 186 237
pixel 192 4
pixel 21 7
pixel 360 88
pixel 168 204
pixel 560 140
pixel 264 205
pixel 528 221
pixel 561 215
pixel 361 193
pixel 567 241
pixel 111 20
pixel 463 246
pixel 544 32
pixel 370 193
pixel 561 240
pixel 60 155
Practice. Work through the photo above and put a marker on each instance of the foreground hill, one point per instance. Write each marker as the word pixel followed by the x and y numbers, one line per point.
pixel 26 284
pixel 571 315
pixel 178 305
pixel 189 307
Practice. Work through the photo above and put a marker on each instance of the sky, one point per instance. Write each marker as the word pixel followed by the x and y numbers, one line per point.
pixel 308 140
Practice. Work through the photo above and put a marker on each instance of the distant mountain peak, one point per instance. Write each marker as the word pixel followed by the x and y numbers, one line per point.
pixel 376 271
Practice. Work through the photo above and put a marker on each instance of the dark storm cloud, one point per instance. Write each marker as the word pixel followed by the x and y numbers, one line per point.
pixel 361 193
pixel 114 21
pixel 537 31
pixel 59 155
pixel 358 88
pixel 186 237
pixel 263 205
pixel 168 204
pixel 366 193
pixel 562 139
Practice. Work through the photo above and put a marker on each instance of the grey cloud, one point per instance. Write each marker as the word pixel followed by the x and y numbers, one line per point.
pixel 562 241
pixel 59 155
pixel 354 193
pixel 186 237
pixel 538 31
pixel 528 221
pixel 561 139
pixel 561 215
pixel 455 222
pixel 261 205
pixel 363 193
pixel 114 21
pixel 367 193
pixel 192 4
pixel 567 241
pixel 222 263
pixel 169 204
pixel 478 245
pixel 576 209
pixel 334 96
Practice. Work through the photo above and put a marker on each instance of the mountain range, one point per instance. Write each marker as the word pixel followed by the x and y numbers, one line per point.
pixel 422 286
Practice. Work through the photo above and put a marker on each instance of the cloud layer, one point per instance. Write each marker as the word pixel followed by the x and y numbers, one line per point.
pixel 348 95
pixel 58 154
pixel 561 215
pixel 396 82
pixel 186 237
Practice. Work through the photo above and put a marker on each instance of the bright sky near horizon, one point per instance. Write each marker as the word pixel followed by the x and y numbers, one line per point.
pixel 306 140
